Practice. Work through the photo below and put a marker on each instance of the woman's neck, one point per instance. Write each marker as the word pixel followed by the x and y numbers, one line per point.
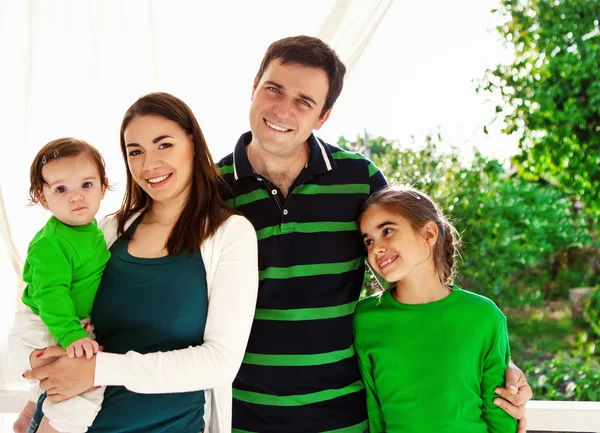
pixel 166 214
pixel 420 289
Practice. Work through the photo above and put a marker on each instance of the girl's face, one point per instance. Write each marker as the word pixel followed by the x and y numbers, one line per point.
pixel 394 247
pixel 73 189
pixel 160 156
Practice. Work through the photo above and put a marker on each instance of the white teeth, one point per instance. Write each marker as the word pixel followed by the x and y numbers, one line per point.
pixel 157 179
pixel 275 127
pixel 385 262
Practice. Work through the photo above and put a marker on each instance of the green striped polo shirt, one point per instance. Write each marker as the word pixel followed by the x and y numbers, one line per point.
pixel 300 374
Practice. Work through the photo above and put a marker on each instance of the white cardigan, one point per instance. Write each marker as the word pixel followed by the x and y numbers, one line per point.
pixel 231 261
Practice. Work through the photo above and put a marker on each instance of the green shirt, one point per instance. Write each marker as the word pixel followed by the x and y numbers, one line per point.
pixel 63 270
pixel 433 367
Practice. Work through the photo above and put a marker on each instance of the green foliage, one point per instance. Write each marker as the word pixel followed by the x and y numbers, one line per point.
pixel 591 313
pixel 551 92
pixel 564 378
pixel 509 225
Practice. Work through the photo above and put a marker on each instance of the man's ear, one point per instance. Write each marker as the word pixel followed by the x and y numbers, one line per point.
pixel 430 233
pixel 323 119
pixel 254 86
pixel 41 198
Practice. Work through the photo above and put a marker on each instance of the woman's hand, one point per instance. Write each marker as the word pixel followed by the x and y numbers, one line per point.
pixel 41 357
pixel 515 396
pixel 65 377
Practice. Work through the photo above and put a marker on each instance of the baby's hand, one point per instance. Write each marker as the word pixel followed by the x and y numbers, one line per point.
pixel 84 346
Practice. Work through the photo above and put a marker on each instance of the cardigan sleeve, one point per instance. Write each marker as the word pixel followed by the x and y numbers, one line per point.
pixel 232 302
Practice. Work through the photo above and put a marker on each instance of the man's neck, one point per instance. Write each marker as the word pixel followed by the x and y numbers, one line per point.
pixel 282 170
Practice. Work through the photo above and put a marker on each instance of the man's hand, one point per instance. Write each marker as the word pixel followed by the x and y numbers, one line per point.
pixel 515 396
pixel 65 378
pixel 84 346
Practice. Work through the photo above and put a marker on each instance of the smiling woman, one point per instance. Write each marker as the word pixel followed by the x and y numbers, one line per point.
pixel 174 246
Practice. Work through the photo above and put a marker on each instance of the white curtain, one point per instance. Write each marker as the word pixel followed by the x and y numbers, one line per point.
pixel 72 67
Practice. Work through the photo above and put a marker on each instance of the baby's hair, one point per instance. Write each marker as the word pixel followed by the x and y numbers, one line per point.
pixel 61 148
pixel 419 209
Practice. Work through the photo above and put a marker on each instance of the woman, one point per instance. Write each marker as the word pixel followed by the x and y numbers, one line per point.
pixel 177 298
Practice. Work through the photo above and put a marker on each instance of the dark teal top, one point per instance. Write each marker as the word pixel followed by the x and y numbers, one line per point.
pixel 150 305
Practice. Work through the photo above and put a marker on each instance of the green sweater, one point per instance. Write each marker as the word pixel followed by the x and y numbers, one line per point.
pixel 63 270
pixel 433 367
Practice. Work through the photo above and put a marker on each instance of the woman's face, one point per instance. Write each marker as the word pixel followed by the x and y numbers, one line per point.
pixel 160 156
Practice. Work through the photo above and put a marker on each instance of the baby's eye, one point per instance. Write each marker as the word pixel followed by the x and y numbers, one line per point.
pixel 61 189
pixel 87 185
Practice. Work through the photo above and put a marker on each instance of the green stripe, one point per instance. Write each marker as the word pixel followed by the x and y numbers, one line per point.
pixel 295 400
pixel 240 200
pixel 310 270
pixel 226 169
pixel 358 428
pixel 372 169
pixel 314 227
pixel 353 188
pixel 298 360
pixel 305 313
pixel 347 155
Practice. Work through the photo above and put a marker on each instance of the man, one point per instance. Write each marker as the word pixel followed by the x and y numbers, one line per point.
pixel 303 196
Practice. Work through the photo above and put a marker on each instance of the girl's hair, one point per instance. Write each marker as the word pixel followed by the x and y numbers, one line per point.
pixel 61 148
pixel 204 211
pixel 419 209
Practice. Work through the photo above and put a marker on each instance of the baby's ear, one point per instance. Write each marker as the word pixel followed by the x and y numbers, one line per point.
pixel 41 198
pixel 104 186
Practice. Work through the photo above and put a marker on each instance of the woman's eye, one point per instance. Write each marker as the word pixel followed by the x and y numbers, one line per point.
pixel 87 185
pixel 61 189
pixel 134 153
pixel 165 145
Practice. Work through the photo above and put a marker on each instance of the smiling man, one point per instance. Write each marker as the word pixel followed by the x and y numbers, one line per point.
pixel 303 196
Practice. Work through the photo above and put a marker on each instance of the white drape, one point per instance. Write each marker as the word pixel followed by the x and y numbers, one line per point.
pixel 72 67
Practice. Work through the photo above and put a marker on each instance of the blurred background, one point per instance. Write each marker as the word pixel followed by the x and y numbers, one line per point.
pixel 490 106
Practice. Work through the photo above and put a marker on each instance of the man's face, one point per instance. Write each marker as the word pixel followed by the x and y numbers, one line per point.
pixel 286 105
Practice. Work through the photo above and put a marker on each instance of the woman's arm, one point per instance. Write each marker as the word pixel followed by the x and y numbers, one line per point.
pixel 231 307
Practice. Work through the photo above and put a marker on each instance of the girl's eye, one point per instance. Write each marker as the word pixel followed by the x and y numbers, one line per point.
pixel 387 231
pixel 87 185
pixel 134 153
pixel 368 242
pixel 61 189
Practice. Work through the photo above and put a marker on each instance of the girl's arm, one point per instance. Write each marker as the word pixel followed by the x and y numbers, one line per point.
pixel 376 421
pixel 495 363
pixel 231 309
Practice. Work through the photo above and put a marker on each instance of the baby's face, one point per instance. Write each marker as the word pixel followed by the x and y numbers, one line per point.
pixel 73 189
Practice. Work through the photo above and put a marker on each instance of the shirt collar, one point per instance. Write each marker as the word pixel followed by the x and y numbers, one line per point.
pixel 320 159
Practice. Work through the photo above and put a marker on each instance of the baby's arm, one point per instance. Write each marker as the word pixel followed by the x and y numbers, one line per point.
pixel 50 291
pixel 82 347
pixel 495 363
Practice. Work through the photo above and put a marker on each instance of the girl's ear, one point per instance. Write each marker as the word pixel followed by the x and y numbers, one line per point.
pixel 430 233
pixel 41 198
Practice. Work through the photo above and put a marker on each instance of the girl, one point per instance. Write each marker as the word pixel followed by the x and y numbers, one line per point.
pixel 177 298
pixel 431 354
pixel 63 268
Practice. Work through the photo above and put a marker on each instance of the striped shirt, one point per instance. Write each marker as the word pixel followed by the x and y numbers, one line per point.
pixel 299 374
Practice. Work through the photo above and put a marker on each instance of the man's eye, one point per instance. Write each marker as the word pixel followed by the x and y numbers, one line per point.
pixel 87 185
pixel 61 189
pixel 273 89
